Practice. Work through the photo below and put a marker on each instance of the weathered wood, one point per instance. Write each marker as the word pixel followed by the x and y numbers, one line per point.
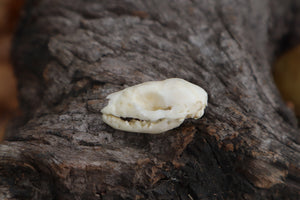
pixel 70 54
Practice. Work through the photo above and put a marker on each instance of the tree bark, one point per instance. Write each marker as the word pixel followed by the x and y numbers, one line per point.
pixel 69 55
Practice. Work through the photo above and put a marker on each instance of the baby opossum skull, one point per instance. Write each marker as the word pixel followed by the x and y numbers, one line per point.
pixel 155 106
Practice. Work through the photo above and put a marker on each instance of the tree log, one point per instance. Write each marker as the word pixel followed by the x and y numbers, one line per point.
pixel 69 55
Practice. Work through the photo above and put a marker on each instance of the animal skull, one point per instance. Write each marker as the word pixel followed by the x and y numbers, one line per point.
pixel 155 106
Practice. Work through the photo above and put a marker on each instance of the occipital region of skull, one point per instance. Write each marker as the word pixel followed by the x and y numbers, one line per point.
pixel 154 106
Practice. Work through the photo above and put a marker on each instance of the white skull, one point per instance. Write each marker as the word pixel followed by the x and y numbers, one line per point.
pixel 155 106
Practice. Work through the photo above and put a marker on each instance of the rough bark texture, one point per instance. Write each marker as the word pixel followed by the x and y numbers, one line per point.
pixel 69 55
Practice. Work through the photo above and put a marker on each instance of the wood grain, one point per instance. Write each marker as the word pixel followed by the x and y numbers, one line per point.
pixel 71 54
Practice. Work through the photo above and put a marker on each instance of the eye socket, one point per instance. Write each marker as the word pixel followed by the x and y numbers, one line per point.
pixel 152 101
